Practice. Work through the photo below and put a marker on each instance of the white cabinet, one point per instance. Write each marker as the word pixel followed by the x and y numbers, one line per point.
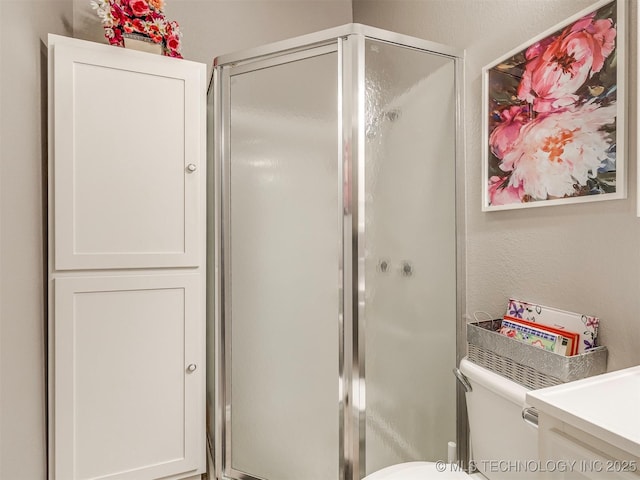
pixel 572 454
pixel 126 264
pixel 590 429
pixel 128 391
pixel 127 140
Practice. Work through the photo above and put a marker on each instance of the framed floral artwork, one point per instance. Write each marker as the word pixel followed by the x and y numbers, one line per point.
pixel 554 115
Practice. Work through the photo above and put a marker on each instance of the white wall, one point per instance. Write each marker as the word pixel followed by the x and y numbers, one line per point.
pixel 583 257
pixel 23 24
pixel 576 257
pixel 215 27
pixel 210 28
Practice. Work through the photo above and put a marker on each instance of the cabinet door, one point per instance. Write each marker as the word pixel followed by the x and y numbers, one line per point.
pixel 128 157
pixel 128 402
pixel 577 458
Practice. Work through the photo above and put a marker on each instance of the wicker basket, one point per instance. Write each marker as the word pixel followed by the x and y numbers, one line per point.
pixel 525 364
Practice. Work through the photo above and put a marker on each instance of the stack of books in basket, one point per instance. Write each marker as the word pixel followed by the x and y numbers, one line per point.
pixel 558 331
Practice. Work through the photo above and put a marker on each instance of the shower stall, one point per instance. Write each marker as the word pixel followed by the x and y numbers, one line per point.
pixel 336 256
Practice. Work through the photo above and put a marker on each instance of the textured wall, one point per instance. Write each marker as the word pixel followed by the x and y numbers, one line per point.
pixel 575 257
pixel 23 24
pixel 211 28
pixel 583 257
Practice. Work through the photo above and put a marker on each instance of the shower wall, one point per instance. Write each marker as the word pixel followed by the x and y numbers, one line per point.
pixel 336 298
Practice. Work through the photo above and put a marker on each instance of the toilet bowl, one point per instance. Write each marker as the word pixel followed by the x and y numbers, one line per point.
pixel 421 471
pixel 502 443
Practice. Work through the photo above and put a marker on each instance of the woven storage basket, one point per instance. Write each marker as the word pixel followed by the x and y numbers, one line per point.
pixel 525 364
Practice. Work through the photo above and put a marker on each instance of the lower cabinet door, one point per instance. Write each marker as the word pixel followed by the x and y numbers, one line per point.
pixel 128 377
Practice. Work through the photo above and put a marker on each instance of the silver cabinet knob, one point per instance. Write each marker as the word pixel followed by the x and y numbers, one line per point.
pixel 192 367
pixel 192 167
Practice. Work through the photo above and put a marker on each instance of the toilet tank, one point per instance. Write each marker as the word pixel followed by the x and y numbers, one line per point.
pixel 503 445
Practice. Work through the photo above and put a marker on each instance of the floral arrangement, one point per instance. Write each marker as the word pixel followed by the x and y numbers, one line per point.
pixel 552 115
pixel 142 17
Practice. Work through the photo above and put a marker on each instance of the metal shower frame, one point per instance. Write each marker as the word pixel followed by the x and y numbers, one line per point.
pixel 349 42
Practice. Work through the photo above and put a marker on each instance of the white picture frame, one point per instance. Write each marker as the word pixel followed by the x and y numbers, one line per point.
pixel 554 115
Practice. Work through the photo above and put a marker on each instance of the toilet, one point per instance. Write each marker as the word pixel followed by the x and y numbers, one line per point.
pixel 503 445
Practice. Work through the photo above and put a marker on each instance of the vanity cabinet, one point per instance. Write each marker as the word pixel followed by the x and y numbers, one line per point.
pixel 126 264
pixel 571 453
pixel 590 429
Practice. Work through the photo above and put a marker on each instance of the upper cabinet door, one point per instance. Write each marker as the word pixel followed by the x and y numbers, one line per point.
pixel 128 157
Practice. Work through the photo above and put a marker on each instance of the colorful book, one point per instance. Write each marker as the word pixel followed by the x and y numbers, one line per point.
pixel 532 336
pixel 570 347
pixel 585 325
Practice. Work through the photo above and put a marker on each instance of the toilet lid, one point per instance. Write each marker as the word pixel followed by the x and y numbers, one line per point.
pixel 419 471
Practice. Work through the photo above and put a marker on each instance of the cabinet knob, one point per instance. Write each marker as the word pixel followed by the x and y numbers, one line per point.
pixel 192 367
pixel 192 167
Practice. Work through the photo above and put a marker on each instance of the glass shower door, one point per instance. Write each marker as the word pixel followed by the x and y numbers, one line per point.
pixel 282 225
pixel 408 322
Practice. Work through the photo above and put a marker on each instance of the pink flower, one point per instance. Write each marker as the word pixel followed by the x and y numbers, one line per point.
pixel 507 131
pixel 592 322
pixel 557 67
pixel 139 7
pixel 171 26
pixel 139 16
pixel 501 193
pixel 125 5
pixel 558 151
pixel 509 332
pixel 117 13
pixel 138 26
pixel 114 35
pixel 173 43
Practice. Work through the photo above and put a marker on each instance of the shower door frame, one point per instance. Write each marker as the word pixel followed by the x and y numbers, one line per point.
pixel 348 41
pixel 224 395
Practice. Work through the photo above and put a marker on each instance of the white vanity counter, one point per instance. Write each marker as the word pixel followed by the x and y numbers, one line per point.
pixel 595 419
pixel 606 406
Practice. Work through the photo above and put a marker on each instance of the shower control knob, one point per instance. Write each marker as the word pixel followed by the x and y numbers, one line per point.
pixel 192 367
pixel 407 269
pixel 192 167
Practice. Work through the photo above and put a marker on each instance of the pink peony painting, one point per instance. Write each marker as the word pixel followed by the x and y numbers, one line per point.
pixel 554 115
